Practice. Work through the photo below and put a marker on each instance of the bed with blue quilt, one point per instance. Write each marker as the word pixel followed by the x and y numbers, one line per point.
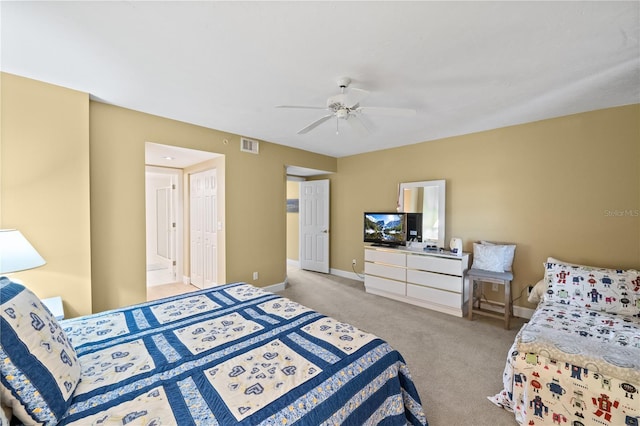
pixel 232 354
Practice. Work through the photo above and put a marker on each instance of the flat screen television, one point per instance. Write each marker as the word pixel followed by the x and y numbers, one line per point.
pixel 385 228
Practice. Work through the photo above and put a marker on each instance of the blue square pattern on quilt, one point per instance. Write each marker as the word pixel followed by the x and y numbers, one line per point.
pixel 38 365
pixel 596 289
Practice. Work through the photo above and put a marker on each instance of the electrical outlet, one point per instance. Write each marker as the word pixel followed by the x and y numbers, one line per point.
pixel 494 287
pixel 255 275
pixel 353 262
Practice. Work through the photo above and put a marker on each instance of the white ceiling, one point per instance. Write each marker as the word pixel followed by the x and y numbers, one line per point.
pixel 174 157
pixel 464 66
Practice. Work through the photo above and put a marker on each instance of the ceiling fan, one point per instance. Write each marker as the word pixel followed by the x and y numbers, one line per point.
pixel 346 106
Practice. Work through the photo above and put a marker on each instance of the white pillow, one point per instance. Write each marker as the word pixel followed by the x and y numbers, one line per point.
pixel 488 257
pixel 509 253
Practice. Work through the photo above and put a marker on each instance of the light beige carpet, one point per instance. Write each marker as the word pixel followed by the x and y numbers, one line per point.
pixel 455 363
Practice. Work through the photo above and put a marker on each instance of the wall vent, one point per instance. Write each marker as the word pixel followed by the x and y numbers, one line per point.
pixel 249 145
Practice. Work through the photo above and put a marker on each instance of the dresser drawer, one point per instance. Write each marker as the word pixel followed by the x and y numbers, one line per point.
pixel 383 256
pixel 435 264
pixel 386 271
pixel 383 284
pixel 433 295
pixel 440 281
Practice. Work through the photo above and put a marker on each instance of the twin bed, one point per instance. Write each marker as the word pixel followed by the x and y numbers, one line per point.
pixel 233 354
pixel 577 361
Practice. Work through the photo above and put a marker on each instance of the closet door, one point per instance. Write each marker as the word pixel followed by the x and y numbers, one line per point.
pixel 204 235
pixel 196 184
pixel 209 230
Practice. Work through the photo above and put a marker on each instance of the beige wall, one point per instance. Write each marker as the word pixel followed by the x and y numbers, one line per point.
pixel 293 223
pixel 553 187
pixel 548 186
pixel 44 161
pixel 255 200
pixel 73 177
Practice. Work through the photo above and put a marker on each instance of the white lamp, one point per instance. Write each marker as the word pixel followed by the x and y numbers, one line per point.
pixel 16 253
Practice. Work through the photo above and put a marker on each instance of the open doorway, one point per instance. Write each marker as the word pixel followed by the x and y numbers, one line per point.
pixel 169 214
pixel 163 193
pixel 295 177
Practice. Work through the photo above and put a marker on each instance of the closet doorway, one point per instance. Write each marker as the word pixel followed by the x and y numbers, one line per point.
pixel 163 193
pixel 203 207
pixel 168 178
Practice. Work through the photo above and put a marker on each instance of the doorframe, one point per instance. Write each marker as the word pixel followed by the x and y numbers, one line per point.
pixel 217 226
pixel 295 263
pixel 178 214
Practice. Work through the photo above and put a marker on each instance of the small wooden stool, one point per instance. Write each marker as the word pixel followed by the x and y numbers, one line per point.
pixel 502 278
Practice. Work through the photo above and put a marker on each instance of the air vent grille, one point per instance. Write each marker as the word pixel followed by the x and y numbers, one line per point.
pixel 249 145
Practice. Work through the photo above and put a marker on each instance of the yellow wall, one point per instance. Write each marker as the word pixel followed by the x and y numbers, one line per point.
pixel 548 186
pixel 45 185
pixel 73 177
pixel 255 200
pixel 293 223
pixel 552 187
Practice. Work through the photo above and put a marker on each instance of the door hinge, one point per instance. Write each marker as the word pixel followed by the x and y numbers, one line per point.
pixel 173 186
pixel 173 225
pixel 174 263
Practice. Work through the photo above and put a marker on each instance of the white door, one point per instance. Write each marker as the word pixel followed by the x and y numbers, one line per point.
pixel 314 225
pixel 204 235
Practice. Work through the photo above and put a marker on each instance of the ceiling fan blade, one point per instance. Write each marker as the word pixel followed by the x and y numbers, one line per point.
pixel 391 112
pixel 354 96
pixel 314 124
pixel 357 125
pixel 300 107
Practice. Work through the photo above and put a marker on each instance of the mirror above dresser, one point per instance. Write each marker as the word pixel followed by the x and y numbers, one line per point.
pixel 426 197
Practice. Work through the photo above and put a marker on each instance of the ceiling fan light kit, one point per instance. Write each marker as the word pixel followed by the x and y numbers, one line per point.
pixel 346 106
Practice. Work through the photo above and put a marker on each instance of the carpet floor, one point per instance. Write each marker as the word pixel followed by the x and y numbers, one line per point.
pixel 455 363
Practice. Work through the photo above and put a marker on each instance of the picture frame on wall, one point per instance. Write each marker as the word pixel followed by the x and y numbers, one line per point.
pixel 293 205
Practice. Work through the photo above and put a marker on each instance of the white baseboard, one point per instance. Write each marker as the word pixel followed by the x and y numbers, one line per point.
pixel 186 280
pixel 346 274
pixel 293 263
pixel 521 312
pixel 274 288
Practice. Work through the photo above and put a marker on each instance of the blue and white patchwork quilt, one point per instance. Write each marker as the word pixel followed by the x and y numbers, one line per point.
pixel 234 354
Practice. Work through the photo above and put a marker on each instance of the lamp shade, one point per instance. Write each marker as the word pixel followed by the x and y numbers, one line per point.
pixel 16 253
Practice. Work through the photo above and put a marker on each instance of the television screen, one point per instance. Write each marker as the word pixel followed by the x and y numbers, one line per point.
pixel 385 228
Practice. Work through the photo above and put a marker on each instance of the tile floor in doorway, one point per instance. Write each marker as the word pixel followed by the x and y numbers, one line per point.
pixel 165 290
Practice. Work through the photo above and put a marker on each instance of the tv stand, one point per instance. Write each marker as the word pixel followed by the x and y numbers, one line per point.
pixel 431 279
